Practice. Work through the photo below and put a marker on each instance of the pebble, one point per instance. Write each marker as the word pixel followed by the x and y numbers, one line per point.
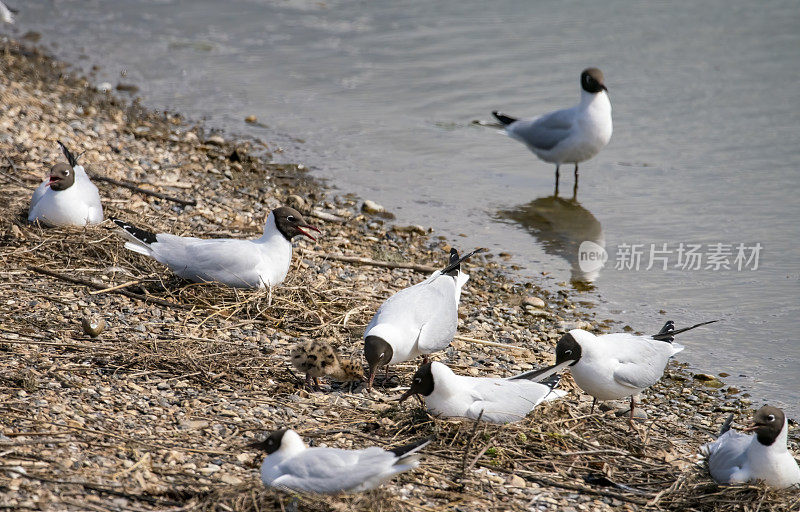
pixel 251 119
pixel 372 207
pixel 535 302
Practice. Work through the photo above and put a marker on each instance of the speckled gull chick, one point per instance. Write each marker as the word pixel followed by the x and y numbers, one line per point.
pixel 736 457
pixel 67 197
pixel 494 400
pixel 572 135
pixel 418 320
pixel 291 465
pixel 259 263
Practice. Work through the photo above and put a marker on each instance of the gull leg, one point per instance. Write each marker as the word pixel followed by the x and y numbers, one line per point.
pixel 594 401
pixel 633 405
pixel 308 381
pixel 386 376
pixel 425 359
pixel 557 175
pixel 575 187
pixel 316 384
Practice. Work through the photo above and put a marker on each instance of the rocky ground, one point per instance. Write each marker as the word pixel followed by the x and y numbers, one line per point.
pixel 155 413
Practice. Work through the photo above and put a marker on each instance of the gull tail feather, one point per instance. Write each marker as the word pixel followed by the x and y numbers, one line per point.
pixel 139 240
pixel 407 454
pixel 456 264
pixel 552 382
pixel 506 120
pixel 668 332
pixel 727 425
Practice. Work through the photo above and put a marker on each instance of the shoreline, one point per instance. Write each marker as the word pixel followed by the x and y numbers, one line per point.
pixel 169 415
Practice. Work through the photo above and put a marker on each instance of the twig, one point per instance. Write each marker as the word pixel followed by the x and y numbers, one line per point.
pixel 140 190
pixel 14 168
pixel 116 287
pixel 375 263
pixel 90 284
pixel 468 446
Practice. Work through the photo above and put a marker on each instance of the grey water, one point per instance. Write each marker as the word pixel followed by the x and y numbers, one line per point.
pixel 380 98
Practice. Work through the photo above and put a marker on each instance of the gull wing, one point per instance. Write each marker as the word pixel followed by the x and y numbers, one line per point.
pixel 543 133
pixel 330 470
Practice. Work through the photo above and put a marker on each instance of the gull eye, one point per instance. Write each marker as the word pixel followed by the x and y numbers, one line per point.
pixel 771 417
pixel 290 218
pixel 66 173
pixel 418 379
pixel 568 352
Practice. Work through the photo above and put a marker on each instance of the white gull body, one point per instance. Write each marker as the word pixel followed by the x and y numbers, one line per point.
pixel 736 457
pixel 500 400
pixel 330 470
pixel 619 365
pixel 77 205
pixel 259 263
pixel 421 319
pixel 571 135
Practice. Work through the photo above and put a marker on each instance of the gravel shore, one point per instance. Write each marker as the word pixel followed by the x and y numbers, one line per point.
pixel 155 413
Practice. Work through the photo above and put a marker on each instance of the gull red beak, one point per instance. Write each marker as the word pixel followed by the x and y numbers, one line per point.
pixel 751 427
pixel 406 395
pixel 308 226
pixel 53 179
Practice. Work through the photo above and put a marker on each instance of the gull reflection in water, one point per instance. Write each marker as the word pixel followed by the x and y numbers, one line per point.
pixel 561 226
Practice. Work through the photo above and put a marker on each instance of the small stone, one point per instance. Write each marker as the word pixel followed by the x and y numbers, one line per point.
pixel 533 301
pixel 230 479
pixel 93 326
pixel 704 377
pixel 296 202
pixel 251 119
pixel 211 468
pixel 372 207
pixel 517 481
pixel 217 140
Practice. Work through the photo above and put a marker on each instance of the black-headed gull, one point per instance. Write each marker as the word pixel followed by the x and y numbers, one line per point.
pixel 737 458
pixel 614 366
pixel 418 320
pixel 67 197
pixel 290 464
pixel 262 262
pixel 492 399
pixel 572 135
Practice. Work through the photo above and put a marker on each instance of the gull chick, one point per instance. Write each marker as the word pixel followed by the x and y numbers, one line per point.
pixel 291 465
pixel 317 358
pixel 614 366
pixel 738 458
pixel 417 320
pixel 259 263
pixel 568 136
pixel 492 399
pixel 67 197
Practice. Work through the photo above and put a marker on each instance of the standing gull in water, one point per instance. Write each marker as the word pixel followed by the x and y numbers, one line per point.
pixel 418 320
pixel 568 136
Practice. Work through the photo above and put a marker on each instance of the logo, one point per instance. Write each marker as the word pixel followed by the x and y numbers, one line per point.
pixel 591 256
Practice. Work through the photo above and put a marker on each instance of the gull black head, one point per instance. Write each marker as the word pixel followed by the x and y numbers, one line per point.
pixel 62 176
pixel 421 383
pixel 592 80
pixel 272 443
pixel 568 349
pixel 290 223
pixel 378 353
pixel 767 424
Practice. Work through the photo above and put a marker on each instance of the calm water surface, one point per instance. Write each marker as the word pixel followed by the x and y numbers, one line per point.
pixel 380 97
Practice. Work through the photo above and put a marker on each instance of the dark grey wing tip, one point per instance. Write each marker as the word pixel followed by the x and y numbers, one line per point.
pixel 410 448
pixel 727 425
pixel 456 265
pixel 668 332
pixel 551 381
pixel 453 261
pixel 144 236
pixel 506 120
pixel 72 159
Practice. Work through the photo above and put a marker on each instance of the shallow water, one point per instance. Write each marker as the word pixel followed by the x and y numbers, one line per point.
pixel 380 97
